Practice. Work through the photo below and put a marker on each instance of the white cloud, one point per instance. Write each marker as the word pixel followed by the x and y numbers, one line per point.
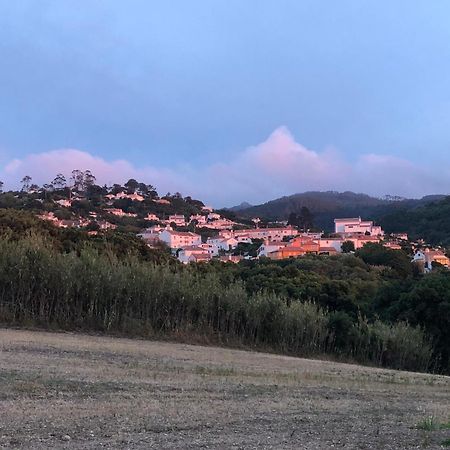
pixel 278 166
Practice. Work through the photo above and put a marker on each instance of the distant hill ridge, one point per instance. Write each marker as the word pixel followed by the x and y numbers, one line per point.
pixel 325 206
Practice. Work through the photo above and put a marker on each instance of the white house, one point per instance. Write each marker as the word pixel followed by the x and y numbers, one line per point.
pixel 185 254
pixel 356 226
pixel 201 220
pixel 220 224
pixel 269 247
pixel 178 219
pixel 213 216
pixel 427 257
pixel 272 234
pixel 152 217
pixel 327 243
pixel 219 243
pixel 179 239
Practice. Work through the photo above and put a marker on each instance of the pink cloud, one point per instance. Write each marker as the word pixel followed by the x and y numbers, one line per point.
pixel 277 166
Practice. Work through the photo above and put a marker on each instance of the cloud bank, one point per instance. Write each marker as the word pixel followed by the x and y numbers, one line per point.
pixel 276 167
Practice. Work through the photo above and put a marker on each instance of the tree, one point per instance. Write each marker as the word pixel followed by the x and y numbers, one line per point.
pixel 305 219
pixel 26 181
pixel 46 188
pixel 379 255
pixel 59 182
pixel 293 219
pixel 77 180
pixel 151 191
pixel 88 180
pixel 1 187
pixel 92 226
pixel 348 246
pixel 131 186
pixel 116 189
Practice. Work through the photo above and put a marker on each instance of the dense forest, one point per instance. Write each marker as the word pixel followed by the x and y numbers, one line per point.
pixel 430 221
pixel 371 307
pixel 427 218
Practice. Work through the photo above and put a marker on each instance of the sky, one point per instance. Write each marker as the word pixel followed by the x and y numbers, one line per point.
pixel 228 100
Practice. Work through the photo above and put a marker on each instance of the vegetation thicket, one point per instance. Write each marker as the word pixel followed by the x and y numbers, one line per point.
pixel 353 307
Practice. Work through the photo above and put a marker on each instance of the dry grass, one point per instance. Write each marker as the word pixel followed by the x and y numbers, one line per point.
pixel 77 391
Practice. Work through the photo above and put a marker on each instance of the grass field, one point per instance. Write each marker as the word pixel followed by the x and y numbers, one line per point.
pixel 79 391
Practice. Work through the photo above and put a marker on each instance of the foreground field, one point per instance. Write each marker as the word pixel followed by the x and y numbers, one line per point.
pixel 79 391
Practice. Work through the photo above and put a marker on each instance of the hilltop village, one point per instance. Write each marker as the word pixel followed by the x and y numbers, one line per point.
pixel 195 232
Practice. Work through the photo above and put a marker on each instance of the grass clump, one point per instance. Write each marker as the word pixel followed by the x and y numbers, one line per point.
pixel 428 424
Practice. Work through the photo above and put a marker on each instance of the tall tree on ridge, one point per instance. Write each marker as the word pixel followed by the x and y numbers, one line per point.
pixel 26 181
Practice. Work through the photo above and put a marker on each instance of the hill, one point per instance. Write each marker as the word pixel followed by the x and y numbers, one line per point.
pixel 325 206
pixel 240 207
pixel 429 221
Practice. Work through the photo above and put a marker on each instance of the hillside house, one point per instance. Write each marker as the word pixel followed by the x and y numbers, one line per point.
pixel 269 247
pixel 161 201
pixel 231 258
pixel 150 237
pixel 200 257
pixel 201 220
pixel 119 212
pixel 426 258
pixel 220 224
pixel 180 239
pixel 105 225
pixel 357 226
pixel 219 243
pixel 360 241
pixel 325 244
pixel 299 246
pixel 400 236
pixel 152 217
pixel 178 219
pixel 191 254
pixel 273 234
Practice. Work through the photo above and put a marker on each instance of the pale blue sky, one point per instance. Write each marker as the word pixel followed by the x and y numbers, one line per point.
pixel 196 82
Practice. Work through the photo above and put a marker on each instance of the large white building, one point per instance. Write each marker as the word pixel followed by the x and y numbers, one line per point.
pixel 180 239
pixel 272 234
pixel 357 226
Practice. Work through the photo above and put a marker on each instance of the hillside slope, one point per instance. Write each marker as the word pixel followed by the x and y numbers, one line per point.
pixel 325 206
pixel 430 221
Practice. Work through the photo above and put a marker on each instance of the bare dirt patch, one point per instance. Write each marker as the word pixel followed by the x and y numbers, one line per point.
pixel 77 391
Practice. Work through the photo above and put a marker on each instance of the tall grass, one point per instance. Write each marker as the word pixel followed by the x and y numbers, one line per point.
pixel 41 286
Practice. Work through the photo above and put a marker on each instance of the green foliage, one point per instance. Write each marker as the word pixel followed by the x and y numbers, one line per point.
pixel 428 424
pixel 106 291
pixel 424 302
pixel 430 221
pixel 348 246
pixel 379 255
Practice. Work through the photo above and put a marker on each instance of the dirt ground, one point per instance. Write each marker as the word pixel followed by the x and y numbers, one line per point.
pixel 60 390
